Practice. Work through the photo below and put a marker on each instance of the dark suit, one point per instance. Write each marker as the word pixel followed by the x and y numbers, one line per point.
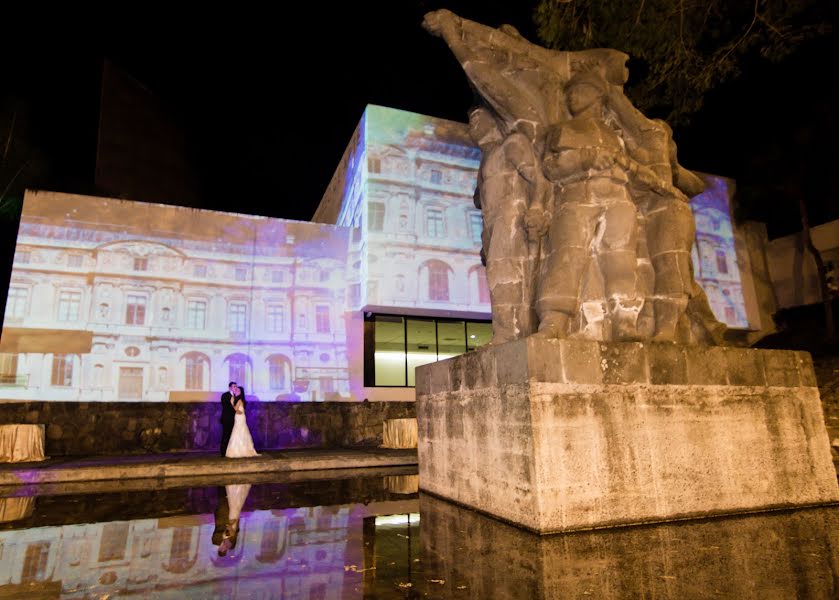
pixel 228 415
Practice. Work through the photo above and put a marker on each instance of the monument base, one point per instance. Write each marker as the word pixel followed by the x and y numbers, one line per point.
pixel 564 435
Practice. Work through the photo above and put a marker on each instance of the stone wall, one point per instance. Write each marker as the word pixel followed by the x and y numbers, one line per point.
pixel 560 435
pixel 99 428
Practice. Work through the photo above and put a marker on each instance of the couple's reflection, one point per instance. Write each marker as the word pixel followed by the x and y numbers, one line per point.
pixel 231 499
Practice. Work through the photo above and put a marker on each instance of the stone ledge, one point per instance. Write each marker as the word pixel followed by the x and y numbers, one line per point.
pixel 192 465
pixel 589 362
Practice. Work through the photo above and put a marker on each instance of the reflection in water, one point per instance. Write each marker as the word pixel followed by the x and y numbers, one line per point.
pixel 287 541
pixel 780 555
pixel 14 509
pixel 234 498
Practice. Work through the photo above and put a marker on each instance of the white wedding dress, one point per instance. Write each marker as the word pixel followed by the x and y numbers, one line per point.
pixel 241 442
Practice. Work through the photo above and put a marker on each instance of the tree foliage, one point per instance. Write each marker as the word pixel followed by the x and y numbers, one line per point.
pixel 680 49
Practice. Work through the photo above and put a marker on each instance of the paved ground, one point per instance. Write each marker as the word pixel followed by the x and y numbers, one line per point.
pixel 190 464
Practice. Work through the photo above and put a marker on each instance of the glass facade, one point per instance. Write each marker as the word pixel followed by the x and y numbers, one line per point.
pixel 396 345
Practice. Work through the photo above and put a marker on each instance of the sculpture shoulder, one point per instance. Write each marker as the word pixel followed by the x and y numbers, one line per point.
pixel 582 133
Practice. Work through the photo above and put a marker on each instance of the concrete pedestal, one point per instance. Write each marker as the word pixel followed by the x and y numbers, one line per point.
pixel 563 435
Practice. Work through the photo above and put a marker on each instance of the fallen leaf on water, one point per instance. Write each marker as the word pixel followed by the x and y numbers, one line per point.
pixel 355 569
pixel 405 585
pixel 440 581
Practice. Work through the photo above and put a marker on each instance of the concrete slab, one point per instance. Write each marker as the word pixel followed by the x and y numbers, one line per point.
pixel 157 466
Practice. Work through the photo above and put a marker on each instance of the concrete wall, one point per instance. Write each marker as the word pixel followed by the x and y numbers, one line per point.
pixel 558 435
pixel 96 428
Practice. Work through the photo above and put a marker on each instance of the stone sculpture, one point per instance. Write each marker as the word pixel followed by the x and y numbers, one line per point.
pixel 587 228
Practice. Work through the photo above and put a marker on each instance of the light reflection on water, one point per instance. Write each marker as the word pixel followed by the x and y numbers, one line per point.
pixel 375 537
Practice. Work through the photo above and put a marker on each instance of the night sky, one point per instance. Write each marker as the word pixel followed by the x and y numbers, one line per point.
pixel 268 103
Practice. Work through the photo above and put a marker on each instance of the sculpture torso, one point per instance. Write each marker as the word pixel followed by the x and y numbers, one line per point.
pixel 566 143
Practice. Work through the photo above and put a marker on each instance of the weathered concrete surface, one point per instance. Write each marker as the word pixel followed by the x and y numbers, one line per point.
pixel 560 435
pixel 778 555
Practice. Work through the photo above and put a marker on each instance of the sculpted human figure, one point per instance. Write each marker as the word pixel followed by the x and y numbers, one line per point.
pixel 614 224
pixel 679 305
pixel 509 179
pixel 588 284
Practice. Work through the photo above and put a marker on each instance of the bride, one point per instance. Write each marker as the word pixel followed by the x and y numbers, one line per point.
pixel 241 443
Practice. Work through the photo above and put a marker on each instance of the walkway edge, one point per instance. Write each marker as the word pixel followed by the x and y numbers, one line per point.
pixel 74 473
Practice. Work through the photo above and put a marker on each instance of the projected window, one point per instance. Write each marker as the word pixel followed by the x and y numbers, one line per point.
pixel 35 562
pixel 74 260
pixel 478 288
pixel 141 264
pixel 435 225
pixel 23 257
pixel 237 317
pixel 16 303
pixel 8 368
pixel 374 165
pixel 274 316
pixel 197 368
pixel 437 275
pixel 376 211
pixel 241 274
pixel 322 319
pixel 196 314
pixel 135 309
pixel 279 370
pixel 62 370
pixel 395 346
pixel 722 263
pixel 200 271
pixel 476 226
pixel 237 368
pixel 436 176
pixel 69 305
pixel 277 277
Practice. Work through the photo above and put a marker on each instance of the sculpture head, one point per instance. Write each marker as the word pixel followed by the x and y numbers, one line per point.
pixel 484 128
pixel 583 90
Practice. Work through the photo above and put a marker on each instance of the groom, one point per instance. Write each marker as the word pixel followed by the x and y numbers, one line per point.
pixel 228 415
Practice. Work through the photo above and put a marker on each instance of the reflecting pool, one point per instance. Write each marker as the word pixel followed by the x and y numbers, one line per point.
pixel 370 534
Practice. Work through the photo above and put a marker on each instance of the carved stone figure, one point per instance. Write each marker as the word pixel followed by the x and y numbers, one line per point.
pixel 509 180
pixel 607 237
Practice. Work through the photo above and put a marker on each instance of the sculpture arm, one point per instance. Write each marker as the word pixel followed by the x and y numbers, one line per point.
pixel 632 120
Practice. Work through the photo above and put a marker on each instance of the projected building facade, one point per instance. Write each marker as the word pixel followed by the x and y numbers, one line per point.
pixel 111 300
